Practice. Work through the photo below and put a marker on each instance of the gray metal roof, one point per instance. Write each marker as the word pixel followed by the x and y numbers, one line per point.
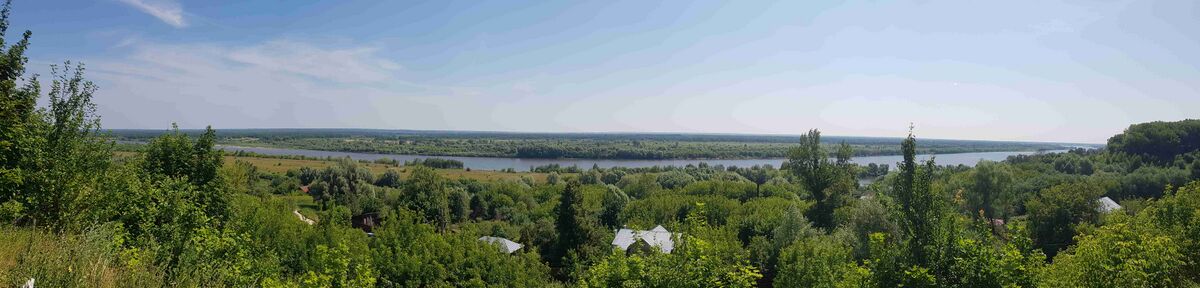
pixel 657 237
pixel 508 246
pixel 1107 205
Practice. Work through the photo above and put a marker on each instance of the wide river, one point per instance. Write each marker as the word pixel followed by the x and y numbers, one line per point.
pixel 524 164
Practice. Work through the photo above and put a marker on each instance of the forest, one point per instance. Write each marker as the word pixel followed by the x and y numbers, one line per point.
pixel 76 212
pixel 570 145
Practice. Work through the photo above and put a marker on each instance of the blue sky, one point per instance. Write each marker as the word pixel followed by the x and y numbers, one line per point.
pixel 1072 71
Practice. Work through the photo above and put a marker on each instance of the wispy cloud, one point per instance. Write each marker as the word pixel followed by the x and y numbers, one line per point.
pixel 168 11
pixel 279 83
pixel 351 65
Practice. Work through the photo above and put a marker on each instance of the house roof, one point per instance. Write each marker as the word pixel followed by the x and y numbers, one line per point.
pixel 508 246
pixel 657 237
pixel 1107 205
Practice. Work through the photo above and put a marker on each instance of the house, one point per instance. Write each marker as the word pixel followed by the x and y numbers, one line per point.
pixel 1107 205
pixel 508 246
pixel 366 221
pixel 657 237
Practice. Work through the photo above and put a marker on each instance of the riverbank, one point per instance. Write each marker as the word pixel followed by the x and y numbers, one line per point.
pixel 524 164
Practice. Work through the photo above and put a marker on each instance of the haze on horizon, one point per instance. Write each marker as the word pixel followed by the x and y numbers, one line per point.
pixel 1055 71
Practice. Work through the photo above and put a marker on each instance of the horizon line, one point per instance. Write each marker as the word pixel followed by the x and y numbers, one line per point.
pixel 605 133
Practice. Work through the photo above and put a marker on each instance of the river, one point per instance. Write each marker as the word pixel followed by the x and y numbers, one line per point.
pixel 523 164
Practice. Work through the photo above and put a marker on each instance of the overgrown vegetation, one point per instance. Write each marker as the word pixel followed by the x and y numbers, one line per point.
pixel 76 214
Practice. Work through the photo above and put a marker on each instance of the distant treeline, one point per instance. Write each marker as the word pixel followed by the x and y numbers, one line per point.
pixel 1161 142
pixel 276 134
pixel 436 163
pixel 577 145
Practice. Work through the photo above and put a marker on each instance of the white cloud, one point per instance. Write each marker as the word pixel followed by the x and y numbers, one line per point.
pixel 271 84
pixel 354 65
pixel 168 11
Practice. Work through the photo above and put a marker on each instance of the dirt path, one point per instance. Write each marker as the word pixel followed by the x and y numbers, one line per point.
pixel 302 218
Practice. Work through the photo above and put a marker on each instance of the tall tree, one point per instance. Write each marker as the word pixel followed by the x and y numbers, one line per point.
pixel 810 162
pixel 429 196
pixel 48 157
pixel 614 202
pixel 844 152
pixel 74 154
pixel 205 158
pixel 570 228
pixel 460 207
pixel 919 206
pixel 19 120
pixel 174 155
pixel 991 181
pixel 578 232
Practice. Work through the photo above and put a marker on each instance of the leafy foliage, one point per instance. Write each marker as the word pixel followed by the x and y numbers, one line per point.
pixel 1056 213
pixel 173 213
pixel 1158 141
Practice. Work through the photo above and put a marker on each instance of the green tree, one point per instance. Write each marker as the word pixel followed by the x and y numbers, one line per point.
pixel 920 208
pixel 569 220
pixel 810 163
pixel 639 186
pixel 75 153
pixel 159 213
pixel 460 208
pixel 1178 215
pixel 344 183
pixel 1055 213
pixel 820 262
pixel 990 182
pixel 1158 141
pixel 792 227
pixel 1195 168
pixel 390 178
pixel 698 260
pixel 613 203
pixel 175 156
pixel 409 253
pixel 844 152
pixel 20 121
pixel 579 235
pixel 1125 253
pixel 335 267
pixel 48 157
pixel 429 196
pixel 863 218
pixel 675 179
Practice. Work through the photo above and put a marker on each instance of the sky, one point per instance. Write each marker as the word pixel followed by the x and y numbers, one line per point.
pixel 1058 71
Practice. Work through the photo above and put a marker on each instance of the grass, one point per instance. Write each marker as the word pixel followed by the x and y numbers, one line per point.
pixel 88 259
pixel 304 204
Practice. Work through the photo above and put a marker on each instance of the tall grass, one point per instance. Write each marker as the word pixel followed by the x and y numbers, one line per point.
pixel 90 259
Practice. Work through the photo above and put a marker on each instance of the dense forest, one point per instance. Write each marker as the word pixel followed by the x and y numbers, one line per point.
pixel 570 145
pixel 75 212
